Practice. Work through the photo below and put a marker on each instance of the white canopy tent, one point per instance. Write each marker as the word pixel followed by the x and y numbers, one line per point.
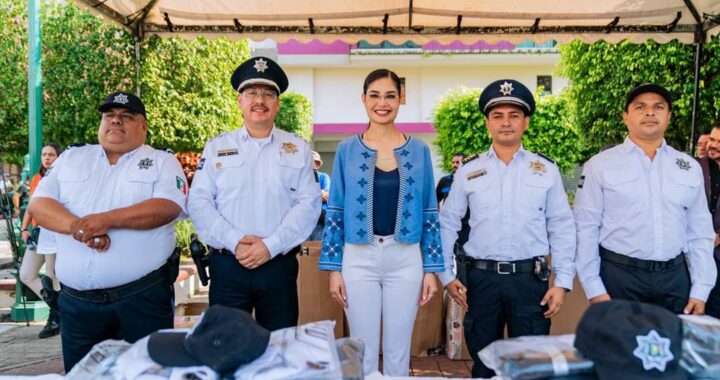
pixel 420 20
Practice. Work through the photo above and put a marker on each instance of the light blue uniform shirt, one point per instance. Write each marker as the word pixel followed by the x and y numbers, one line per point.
pixel 263 187
pixel 649 210
pixel 517 211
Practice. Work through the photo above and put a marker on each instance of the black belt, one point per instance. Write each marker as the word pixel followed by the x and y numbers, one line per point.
pixel 504 267
pixel 119 292
pixel 294 251
pixel 648 265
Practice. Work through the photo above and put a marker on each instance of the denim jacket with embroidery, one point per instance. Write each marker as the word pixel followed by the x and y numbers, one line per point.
pixel 349 217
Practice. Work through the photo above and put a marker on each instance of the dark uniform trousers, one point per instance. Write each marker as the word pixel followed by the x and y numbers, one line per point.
pixel 647 281
pixel 496 300
pixel 270 290
pixel 712 307
pixel 130 318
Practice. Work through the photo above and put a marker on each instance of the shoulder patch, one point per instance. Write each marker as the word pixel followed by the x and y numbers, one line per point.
pixel 545 157
pixel 470 158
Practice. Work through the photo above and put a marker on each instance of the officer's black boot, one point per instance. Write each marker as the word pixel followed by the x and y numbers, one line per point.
pixel 52 327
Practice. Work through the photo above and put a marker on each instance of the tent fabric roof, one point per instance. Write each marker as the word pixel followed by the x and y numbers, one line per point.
pixel 418 20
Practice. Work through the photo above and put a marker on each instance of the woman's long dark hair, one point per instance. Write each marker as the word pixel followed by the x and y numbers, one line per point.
pixel 58 151
pixel 379 74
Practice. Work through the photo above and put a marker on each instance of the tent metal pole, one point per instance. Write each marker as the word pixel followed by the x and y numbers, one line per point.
pixel 696 94
pixel 34 85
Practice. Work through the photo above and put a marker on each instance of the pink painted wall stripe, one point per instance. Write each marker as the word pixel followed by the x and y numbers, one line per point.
pixel 352 128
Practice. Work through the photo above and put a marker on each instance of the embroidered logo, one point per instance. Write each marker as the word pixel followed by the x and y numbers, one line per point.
pixel 121 98
pixel 653 350
pixel 581 182
pixel 145 163
pixel 201 163
pixel 537 167
pixel 260 65
pixel 682 164
pixel 506 88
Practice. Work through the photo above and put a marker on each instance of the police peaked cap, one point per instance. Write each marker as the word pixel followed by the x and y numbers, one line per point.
pixel 259 70
pixel 123 99
pixel 506 91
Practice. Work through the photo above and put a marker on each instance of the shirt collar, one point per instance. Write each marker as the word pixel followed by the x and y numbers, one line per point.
pixel 520 154
pixel 124 157
pixel 629 146
pixel 245 136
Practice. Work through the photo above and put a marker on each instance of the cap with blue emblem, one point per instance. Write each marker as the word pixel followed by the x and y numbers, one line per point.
pixel 631 340
pixel 506 91
pixel 259 70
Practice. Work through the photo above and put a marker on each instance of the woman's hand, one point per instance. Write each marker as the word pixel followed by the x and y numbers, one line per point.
pixel 429 288
pixel 337 289
pixel 25 234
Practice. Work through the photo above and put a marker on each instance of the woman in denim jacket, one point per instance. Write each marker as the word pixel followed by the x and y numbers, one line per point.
pixel 382 236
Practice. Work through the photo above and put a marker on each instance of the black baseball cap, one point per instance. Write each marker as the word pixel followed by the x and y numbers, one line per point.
pixel 259 70
pixel 224 339
pixel 506 91
pixel 124 100
pixel 631 340
pixel 648 87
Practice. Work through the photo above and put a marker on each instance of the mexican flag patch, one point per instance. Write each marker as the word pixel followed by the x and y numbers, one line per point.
pixel 180 183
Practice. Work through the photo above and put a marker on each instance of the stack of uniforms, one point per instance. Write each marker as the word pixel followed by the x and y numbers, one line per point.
pixel 227 343
pixel 615 340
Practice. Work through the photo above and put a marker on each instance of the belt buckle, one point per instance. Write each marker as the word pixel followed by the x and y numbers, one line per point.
pixel 509 271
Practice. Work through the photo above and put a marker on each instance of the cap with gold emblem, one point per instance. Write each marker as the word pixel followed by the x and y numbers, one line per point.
pixel 259 70
pixel 506 91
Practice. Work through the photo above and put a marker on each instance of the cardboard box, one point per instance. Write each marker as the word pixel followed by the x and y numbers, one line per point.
pixel 314 291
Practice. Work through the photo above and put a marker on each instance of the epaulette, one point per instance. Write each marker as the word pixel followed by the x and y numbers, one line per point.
pixel 165 149
pixel 545 157
pixel 470 158
pixel 76 145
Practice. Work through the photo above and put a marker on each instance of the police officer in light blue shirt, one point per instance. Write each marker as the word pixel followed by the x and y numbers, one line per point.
pixel 519 213
pixel 254 199
pixel 644 231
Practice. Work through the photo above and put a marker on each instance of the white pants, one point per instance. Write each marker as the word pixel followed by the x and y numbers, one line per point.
pixel 383 278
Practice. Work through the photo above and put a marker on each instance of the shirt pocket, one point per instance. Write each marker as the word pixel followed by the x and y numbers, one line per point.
pixel 232 176
pixel 288 176
pixel 74 185
pixel 141 184
pixel 533 194
pixel 482 195
pixel 623 190
pixel 681 188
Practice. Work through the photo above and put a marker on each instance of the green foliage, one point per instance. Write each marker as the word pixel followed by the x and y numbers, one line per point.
pixel 459 124
pixel 84 59
pixel 296 115
pixel 13 79
pixel 461 128
pixel 601 75
pixel 183 231
pixel 186 89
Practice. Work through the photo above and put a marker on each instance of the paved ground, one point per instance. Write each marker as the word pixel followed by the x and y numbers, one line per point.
pixel 22 353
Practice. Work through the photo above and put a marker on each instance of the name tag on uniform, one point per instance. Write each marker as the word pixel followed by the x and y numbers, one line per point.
pixel 227 152
pixel 476 173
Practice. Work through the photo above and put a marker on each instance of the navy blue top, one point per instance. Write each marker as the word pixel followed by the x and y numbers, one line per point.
pixel 386 192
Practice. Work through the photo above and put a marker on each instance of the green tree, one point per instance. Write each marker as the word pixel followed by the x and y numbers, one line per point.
pixel 461 128
pixel 602 73
pixel 296 115
pixel 186 88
